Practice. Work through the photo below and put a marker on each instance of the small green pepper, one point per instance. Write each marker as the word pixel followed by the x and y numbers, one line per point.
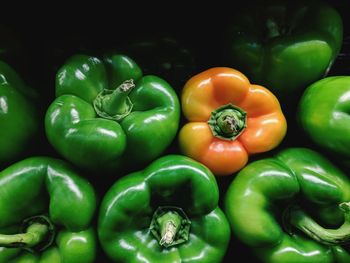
pixel 324 114
pixel 292 208
pixel 284 45
pixel 107 116
pixel 18 115
pixel 46 212
pixel 166 213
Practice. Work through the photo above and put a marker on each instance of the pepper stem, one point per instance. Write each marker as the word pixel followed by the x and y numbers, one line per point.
pixel 170 226
pixel 272 28
pixel 228 122
pixel 114 104
pixel 307 225
pixel 38 234
pixel 34 235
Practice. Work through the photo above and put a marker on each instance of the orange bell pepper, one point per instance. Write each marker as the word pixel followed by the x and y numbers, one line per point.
pixel 229 119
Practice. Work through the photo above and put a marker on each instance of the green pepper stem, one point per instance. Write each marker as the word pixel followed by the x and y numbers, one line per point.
pixel 34 234
pixel 170 226
pixel 228 122
pixel 114 104
pixel 272 28
pixel 307 225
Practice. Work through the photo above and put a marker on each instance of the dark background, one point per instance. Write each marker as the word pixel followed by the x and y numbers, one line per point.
pixel 41 45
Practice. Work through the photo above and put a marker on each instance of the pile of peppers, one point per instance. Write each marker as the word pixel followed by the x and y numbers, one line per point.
pixel 142 151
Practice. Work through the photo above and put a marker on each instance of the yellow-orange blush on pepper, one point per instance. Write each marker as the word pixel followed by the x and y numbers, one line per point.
pixel 228 119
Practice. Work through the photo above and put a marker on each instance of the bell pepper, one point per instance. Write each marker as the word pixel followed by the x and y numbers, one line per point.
pixel 18 115
pixel 166 213
pixel 285 45
pixel 293 207
pixel 163 56
pixel 46 211
pixel 108 116
pixel 229 119
pixel 323 114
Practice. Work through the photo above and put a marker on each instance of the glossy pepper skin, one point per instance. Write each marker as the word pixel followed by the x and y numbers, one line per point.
pixel 173 182
pixel 285 45
pixel 323 114
pixel 42 186
pixel 258 122
pixel 18 116
pixel 107 115
pixel 287 208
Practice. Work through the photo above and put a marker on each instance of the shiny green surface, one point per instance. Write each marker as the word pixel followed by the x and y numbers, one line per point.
pixel 260 194
pixel 41 185
pixel 127 209
pixel 77 133
pixel 18 119
pixel 284 45
pixel 324 114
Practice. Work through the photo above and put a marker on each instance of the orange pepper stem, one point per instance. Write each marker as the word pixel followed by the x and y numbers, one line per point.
pixel 228 122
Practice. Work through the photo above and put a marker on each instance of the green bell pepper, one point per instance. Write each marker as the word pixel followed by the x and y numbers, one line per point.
pixel 46 211
pixel 18 116
pixel 166 213
pixel 284 45
pixel 291 208
pixel 324 114
pixel 108 116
